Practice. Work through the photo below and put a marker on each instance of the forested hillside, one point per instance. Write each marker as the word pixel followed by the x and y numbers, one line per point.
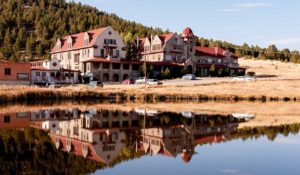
pixel 29 28
pixel 270 53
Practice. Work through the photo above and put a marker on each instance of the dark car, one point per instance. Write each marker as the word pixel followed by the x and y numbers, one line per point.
pixel 95 84
pixel 128 82
pixel 41 84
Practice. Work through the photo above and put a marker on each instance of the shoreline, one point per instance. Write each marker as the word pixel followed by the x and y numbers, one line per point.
pixel 196 93
pixel 266 114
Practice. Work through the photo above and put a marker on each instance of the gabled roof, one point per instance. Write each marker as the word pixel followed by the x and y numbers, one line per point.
pixel 164 38
pixel 78 40
pixel 77 146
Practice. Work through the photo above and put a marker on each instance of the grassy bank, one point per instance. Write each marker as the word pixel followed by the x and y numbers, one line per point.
pixel 250 91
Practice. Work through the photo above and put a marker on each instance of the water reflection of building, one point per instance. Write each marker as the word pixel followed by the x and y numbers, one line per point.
pixel 15 120
pixel 84 137
pixel 170 141
pixel 103 135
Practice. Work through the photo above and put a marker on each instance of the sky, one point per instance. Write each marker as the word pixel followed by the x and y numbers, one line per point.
pixel 254 22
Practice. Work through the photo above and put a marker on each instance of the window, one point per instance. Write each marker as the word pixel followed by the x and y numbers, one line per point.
pixel 117 53
pixel 116 66
pixel 58 46
pixel 88 52
pixel 102 53
pixel 43 74
pixel 110 41
pixel 70 44
pixel 22 76
pixel 177 47
pixel 69 55
pixel 126 66
pixel 135 67
pixel 52 74
pixel 105 65
pixel 147 48
pixel 76 58
pixel 7 71
pixel 22 115
pixel 156 47
pixel 86 42
pixel 7 119
pixel 37 74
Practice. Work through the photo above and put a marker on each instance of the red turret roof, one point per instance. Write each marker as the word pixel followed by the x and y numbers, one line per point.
pixel 187 32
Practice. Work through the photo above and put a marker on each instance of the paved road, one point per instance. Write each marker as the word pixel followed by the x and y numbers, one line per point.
pixel 181 82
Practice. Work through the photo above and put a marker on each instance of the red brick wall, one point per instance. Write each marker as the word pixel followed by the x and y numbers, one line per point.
pixel 15 69
pixel 13 120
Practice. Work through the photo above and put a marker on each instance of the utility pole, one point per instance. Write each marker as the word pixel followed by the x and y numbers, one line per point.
pixel 145 66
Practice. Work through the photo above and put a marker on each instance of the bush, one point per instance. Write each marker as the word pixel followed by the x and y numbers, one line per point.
pixel 251 73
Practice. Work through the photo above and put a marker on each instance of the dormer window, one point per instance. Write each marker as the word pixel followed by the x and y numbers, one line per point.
pixel 70 43
pixel 86 39
pixel 86 42
pixel 58 44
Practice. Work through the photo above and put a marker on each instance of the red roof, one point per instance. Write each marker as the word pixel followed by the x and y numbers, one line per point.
pixel 166 37
pixel 210 139
pixel 212 51
pixel 77 147
pixel 187 32
pixel 78 40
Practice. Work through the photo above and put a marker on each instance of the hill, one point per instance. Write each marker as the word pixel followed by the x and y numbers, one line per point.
pixel 29 28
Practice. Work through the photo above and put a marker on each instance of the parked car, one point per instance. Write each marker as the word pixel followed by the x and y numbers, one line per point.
pixel 95 84
pixel 41 84
pixel 244 78
pixel 140 80
pixel 128 82
pixel 56 86
pixel 189 77
pixel 154 82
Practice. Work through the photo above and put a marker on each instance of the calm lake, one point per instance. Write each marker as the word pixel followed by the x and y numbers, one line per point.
pixel 150 139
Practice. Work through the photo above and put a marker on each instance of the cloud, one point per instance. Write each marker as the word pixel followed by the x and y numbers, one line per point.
pixel 254 5
pixel 241 6
pixel 229 171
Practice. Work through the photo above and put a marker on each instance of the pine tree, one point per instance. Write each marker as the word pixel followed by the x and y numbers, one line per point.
pixel 30 45
pixel 7 38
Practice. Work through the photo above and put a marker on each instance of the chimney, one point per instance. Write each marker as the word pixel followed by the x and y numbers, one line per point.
pixel 216 51
pixel 151 38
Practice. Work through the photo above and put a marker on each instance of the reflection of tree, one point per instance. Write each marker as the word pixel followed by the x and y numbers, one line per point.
pixel 32 152
pixel 271 132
